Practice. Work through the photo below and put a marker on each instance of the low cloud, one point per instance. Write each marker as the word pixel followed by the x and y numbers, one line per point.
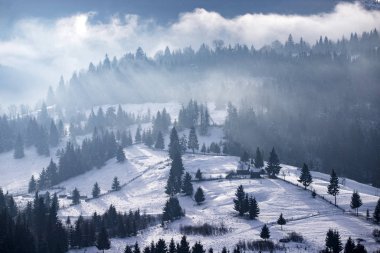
pixel 46 49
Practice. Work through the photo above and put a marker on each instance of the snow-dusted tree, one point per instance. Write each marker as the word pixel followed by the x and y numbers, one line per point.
pixel 115 184
pixel 356 202
pixel 281 221
pixel 75 196
pixel 305 177
pixel 120 156
pixel 95 190
pixel 32 185
pixel 333 187
pixel 199 196
pixel 183 144
pixel 193 140
pixel 273 166
pixel 19 148
pixel 187 186
pixel 138 137
pixel 160 144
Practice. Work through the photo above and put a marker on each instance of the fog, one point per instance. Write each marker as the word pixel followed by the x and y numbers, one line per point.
pixel 44 49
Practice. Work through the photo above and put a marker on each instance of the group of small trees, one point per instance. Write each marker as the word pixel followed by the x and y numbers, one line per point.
pixel 334 245
pixel 243 203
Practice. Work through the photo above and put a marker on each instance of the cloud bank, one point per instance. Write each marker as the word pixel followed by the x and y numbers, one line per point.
pixel 45 49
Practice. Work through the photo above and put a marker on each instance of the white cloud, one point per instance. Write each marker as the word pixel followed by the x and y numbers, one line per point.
pixel 49 48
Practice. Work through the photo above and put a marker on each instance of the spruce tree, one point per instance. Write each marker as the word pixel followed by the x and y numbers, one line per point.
pixel 333 187
pixel 350 246
pixel 203 149
pixel 305 177
pixel 239 200
pixel 193 140
pixel 75 196
pixel 187 186
pixel 53 135
pixel 174 146
pixel 198 175
pixel 172 210
pixel 313 194
pixel 32 185
pixel 254 209
pixel 95 190
pixel 19 148
pixel 103 242
pixel 259 161
pixel 273 165
pixel 138 137
pixel 174 182
pixel 265 233
pixel 333 243
pixel 199 196
pixel 281 221
pixel 160 144
pixel 356 202
pixel 184 246
pixel 376 213
pixel 115 184
pixel 172 247
pixel 198 248
pixel 120 156
pixel 161 246
pixel 128 249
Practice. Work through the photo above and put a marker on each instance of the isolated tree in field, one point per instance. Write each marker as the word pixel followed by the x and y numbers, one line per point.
pixel 333 242
pixel 281 221
pixel 102 241
pixel 120 156
pixel 259 160
pixel 95 190
pixel 32 185
pixel 376 213
pixel 273 166
pixel 198 175
pixel 115 184
pixel 254 209
pixel 75 196
pixel 203 149
pixel 356 202
pixel 265 234
pixel 193 140
pixel 199 196
pixel 19 148
pixel 333 187
pixel 239 200
pixel 187 186
pixel 350 246
pixel 172 210
pixel 305 177
pixel 160 144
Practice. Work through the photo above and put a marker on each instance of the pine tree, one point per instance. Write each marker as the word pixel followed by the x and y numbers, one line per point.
pixel 333 187
pixel 183 246
pixel 138 137
pixel 120 156
pixel 75 196
pixel 199 196
pixel 172 248
pixel 160 144
pixel 128 249
pixel 239 200
pixel 265 234
pixel 259 162
pixel 203 149
pixel 32 185
pixel 281 221
pixel 115 184
pixel 273 166
pixel 356 202
pixel 305 177
pixel 161 246
pixel 313 194
pixel 95 190
pixel 193 140
pixel 53 135
pixel 254 209
pixel 350 246
pixel 376 213
pixel 174 146
pixel 19 148
pixel 333 243
pixel 103 241
pixel 198 248
pixel 187 186
pixel 172 210
pixel 183 144
pixel 198 175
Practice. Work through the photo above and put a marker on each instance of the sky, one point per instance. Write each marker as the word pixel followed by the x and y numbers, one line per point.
pixel 42 40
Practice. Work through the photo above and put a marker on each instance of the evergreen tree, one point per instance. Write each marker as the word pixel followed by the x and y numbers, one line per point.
pixel 360 248
pixel 174 146
pixel 203 149
pixel 32 185
pixel 19 148
pixel 103 241
pixel 95 190
pixel 172 247
pixel 281 221
pixel 128 249
pixel 53 135
pixel 161 246
pixel 120 156
pixel 183 144
pixel 42 143
pixel 244 157
pixel 254 209
pixel 75 196
pixel 174 182
pixel 193 140
pixel 187 186
pixel 356 202
pixel 313 194
pixel 198 248
pixel 333 243
pixel 138 137
pixel 333 187
pixel 239 200
pixel 184 246
pixel 199 196
pixel 160 144
pixel 265 234
pixel 376 213
pixel 305 177
pixel 273 166
pixel 350 246
pixel 115 184
pixel 198 175
pixel 259 161
pixel 172 210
